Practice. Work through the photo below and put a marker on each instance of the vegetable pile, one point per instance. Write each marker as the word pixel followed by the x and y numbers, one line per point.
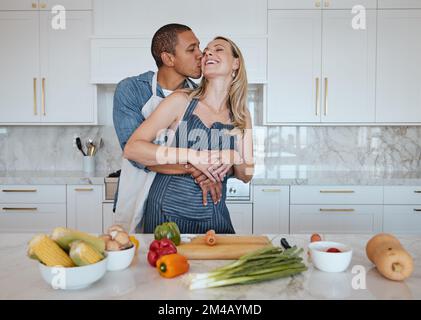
pixel 264 264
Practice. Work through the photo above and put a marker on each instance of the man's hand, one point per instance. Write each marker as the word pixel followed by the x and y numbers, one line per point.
pixel 215 188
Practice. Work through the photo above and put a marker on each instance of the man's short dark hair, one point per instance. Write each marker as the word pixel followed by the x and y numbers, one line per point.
pixel 165 40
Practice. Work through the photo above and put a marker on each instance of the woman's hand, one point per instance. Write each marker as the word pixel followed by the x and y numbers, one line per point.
pixel 203 160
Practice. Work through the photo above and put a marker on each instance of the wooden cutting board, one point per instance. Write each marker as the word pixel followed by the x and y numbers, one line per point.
pixel 226 247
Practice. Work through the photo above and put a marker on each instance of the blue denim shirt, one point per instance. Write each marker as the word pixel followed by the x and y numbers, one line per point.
pixel 130 96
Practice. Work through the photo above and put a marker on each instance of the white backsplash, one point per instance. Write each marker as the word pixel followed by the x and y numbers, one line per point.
pixel 317 148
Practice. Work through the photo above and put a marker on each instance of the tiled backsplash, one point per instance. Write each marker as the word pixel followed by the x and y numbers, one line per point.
pixel 318 148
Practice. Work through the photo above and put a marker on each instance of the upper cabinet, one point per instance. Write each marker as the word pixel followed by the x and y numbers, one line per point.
pixel 324 71
pixel 399 66
pixel 399 4
pixel 321 4
pixel 48 68
pixel 124 29
pixel 45 4
pixel 143 17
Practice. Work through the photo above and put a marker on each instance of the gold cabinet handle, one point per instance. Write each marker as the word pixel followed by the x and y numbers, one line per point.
pixel 326 93
pixel 34 5
pixel 35 97
pixel 271 190
pixel 20 209
pixel 43 5
pixel 337 191
pixel 43 96
pixel 317 97
pixel 336 210
pixel 19 190
pixel 317 4
pixel 84 189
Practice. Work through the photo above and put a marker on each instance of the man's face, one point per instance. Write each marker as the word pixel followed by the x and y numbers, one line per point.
pixel 188 55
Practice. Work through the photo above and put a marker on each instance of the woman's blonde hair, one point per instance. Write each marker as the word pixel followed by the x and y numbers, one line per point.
pixel 237 95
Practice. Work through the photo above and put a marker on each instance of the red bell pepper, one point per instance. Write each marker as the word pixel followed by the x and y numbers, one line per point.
pixel 159 248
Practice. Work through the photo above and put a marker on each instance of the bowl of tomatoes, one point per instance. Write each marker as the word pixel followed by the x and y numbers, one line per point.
pixel 330 256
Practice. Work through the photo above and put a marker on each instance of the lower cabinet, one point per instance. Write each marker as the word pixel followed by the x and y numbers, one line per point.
pixel 402 219
pixel 242 217
pixel 84 207
pixel 336 218
pixel 107 216
pixel 31 217
pixel 271 209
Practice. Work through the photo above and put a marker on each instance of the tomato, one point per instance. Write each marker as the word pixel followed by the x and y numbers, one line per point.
pixel 315 237
pixel 334 250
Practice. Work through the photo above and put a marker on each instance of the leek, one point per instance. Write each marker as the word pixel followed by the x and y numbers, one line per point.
pixel 264 264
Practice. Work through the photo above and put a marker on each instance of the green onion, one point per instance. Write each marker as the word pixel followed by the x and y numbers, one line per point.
pixel 264 264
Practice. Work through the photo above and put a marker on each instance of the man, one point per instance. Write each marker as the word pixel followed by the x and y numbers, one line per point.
pixel 176 52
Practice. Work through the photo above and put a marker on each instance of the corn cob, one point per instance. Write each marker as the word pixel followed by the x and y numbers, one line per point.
pixel 64 237
pixel 48 252
pixel 83 253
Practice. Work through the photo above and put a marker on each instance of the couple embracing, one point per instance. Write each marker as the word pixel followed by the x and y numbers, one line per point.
pixel 182 141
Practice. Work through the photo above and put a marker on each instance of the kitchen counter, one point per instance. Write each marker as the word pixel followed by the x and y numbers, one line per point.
pixel 21 279
pixel 263 176
pixel 52 177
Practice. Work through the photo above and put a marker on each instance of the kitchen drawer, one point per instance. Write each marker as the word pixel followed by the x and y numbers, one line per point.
pixel 32 194
pixel 402 195
pixel 31 217
pixel 402 219
pixel 335 218
pixel 336 195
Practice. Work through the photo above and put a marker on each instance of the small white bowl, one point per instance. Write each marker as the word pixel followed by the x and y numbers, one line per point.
pixel 75 277
pixel 120 260
pixel 330 261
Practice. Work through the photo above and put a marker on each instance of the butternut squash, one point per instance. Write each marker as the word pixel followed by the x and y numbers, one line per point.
pixel 391 259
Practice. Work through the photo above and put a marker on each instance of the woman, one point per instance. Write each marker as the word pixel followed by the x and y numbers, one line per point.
pixel 213 133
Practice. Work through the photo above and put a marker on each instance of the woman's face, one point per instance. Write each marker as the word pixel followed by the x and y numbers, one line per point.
pixel 217 59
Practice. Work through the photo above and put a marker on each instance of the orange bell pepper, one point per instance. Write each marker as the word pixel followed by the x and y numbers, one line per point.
pixel 172 265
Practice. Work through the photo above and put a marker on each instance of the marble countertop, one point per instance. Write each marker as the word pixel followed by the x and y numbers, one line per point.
pixel 21 279
pixel 276 176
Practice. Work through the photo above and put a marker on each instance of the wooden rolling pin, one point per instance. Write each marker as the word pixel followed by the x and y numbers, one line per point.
pixel 262 240
pixel 217 252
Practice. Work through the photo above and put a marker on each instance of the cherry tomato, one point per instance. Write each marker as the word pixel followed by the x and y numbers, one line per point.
pixel 315 237
pixel 334 250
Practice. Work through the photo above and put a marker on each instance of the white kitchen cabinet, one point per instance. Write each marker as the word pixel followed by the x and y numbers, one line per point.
pixel 114 59
pixel 402 219
pixel 320 4
pixel 32 208
pixel 398 97
pixel 19 65
pixel 84 207
pixel 336 218
pixel 399 4
pixel 47 69
pixel 336 209
pixel 143 17
pixel 45 4
pixel 271 210
pixel 65 70
pixel 107 216
pixel 336 195
pixel 348 68
pixel 324 71
pixel 241 217
pixel 294 66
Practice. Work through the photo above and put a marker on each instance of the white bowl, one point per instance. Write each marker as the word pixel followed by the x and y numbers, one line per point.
pixel 330 261
pixel 120 260
pixel 75 277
